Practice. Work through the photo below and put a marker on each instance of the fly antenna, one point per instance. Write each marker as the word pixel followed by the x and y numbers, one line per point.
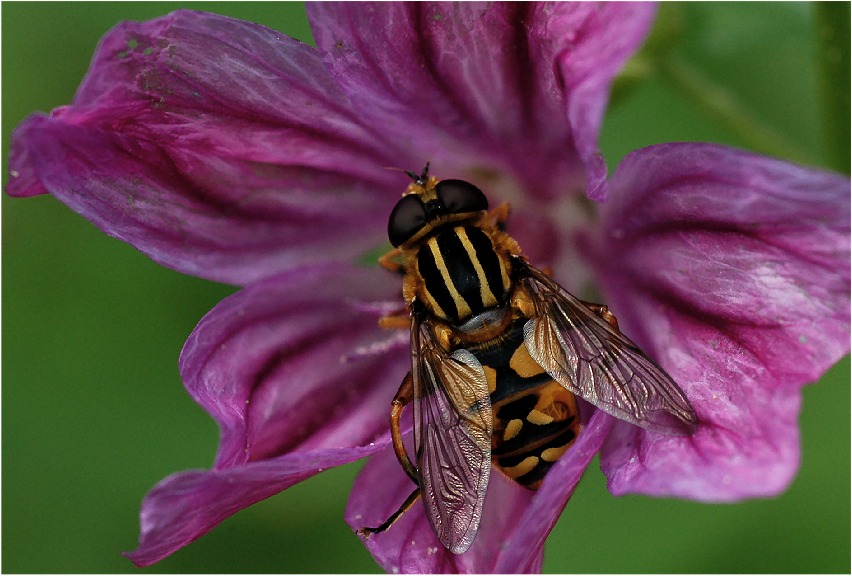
pixel 419 179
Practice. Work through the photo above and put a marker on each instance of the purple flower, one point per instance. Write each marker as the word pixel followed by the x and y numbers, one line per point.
pixel 223 149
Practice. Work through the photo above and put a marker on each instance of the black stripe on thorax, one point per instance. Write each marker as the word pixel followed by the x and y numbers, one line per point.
pixel 435 285
pixel 460 268
pixel 489 260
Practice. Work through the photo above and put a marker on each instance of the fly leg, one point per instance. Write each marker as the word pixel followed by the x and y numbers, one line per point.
pixel 500 214
pixel 392 261
pixel 400 319
pixel 602 310
pixel 409 502
pixel 403 397
pixel 525 302
pixel 397 320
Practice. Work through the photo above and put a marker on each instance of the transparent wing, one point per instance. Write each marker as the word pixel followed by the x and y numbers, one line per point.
pixel 452 435
pixel 590 358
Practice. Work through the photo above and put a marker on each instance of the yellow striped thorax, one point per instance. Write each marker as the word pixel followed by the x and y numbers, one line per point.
pixel 462 273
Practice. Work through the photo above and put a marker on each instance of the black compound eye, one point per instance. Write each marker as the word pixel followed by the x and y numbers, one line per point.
pixel 459 196
pixel 406 219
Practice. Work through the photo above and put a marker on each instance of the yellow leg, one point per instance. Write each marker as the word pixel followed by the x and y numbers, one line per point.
pixel 500 214
pixel 602 310
pixel 399 320
pixel 402 398
pixel 392 261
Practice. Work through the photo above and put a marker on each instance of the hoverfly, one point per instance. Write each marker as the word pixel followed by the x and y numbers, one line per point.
pixel 498 352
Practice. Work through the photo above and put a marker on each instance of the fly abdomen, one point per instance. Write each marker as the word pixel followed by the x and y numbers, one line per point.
pixel 535 419
pixel 532 432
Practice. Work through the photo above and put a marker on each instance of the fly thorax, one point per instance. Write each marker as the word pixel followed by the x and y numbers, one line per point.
pixel 462 273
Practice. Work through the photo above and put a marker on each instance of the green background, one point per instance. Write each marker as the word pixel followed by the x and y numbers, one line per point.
pixel 93 409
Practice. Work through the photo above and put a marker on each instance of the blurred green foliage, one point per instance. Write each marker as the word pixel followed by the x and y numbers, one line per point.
pixel 93 409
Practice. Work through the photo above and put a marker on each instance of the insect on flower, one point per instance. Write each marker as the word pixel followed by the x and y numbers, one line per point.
pixel 498 353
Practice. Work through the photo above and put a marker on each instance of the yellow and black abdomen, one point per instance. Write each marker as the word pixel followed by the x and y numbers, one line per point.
pixel 462 273
pixel 535 419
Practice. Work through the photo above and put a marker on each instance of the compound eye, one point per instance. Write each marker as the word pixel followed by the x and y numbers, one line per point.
pixel 459 196
pixel 406 219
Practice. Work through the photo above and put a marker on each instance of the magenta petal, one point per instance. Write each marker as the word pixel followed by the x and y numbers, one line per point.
pixel 738 267
pixel 515 521
pixel 278 368
pixel 186 506
pixel 218 147
pixel 298 376
pixel 746 446
pixel 477 86
pixel 595 41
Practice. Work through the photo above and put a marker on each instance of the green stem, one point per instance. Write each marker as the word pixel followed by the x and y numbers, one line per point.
pixel 727 109
pixel 831 20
